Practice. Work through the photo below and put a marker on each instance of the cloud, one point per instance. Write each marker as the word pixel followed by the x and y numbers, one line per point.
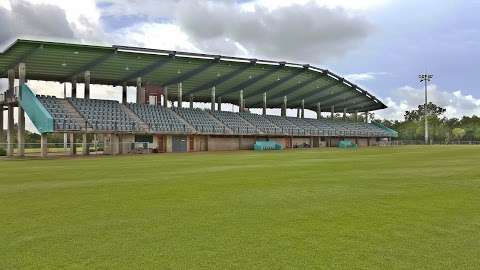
pixel 24 18
pixel 362 77
pixel 309 32
pixel 455 102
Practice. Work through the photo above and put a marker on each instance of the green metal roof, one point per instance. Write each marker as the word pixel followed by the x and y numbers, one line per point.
pixel 117 65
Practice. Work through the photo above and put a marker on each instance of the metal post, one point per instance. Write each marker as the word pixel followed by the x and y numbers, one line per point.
pixel 241 104
pixel 284 106
pixel 180 95
pixel 21 113
pixel 319 111
pixel 303 109
pixel 264 111
pixel 87 85
pixel 44 145
pixel 219 105
pixel 165 97
pixel 74 87
pixel 10 131
pixel 333 111
pixel 426 113
pixel 124 93
pixel 139 91
pixel 191 101
pixel 72 144
pixel 212 106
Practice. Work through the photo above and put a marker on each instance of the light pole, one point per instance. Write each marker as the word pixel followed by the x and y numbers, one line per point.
pixel 426 78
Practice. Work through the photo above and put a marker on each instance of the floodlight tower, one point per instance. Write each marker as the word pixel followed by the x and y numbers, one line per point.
pixel 426 78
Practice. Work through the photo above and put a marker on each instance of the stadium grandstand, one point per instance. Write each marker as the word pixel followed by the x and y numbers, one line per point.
pixel 168 85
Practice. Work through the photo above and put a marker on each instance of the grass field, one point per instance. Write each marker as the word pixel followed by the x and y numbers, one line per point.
pixel 376 208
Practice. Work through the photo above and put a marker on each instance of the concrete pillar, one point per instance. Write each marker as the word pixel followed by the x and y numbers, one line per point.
pixel 87 85
pixel 72 144
pixel 303 109
pixel 124 93
pixel 191 101
pixel 74 87
pixel 298 112
pixel 366 117
pixel 212 106
pixel 10 135
pixel 219 105
pixel 180 95
pixel 333 111
pixel 165 97
pixel 85 150
pixel 1 125
pixel 241 104
pixel 344 114
pixel 44 145
pixel 319 111
pixel 356 116
pixel 11 82
pixel 264 111
pixel 21 113
pixel 139 91
pixel 65 142
pixel 284 106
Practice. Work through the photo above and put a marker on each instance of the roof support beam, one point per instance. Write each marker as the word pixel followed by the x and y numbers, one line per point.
pixel 318 91
pixel 147 70
pixel 192 73
pixel 223 78
pixel 294 88
pixel 277 83
pixel 245 84
pixel 90 66
pixel 361 106
pixel 22 58
pixel 351 101
pixel 332 98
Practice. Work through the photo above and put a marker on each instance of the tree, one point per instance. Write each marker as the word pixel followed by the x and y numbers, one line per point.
pixel 419 114
pixel 458 133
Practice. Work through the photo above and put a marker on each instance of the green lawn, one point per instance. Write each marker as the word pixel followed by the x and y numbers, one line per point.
pixel 376 208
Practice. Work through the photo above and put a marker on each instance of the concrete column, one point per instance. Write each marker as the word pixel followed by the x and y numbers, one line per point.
pixel 344 114
pixel 191 101
pixel 219 106
pixel 264 111
pixel 72 144
pixel 11 82
pixel 1 125
pixel 303 108
pixel 85 145
pixel 319 111
pixel 139 91
pixel 87 85
pixel 213 99
pixel 356 116
pixel 165 97
pixel 10 135
pixel 333 111
pixel 180 95
pixel 74 87
pixel 241 104
pixel 124 93
pixel 44 145
pixel 284 106
pixel 21 113
pixel 366 117
pixel 65 142
pixel 298 112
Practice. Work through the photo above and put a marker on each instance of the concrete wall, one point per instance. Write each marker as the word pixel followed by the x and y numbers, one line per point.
pixel 126 143
pixel 372 141
pixel 281 141
pixel 168 143
pixel 246 143
pixel 200 143
pixel 300 141
pixel 223 143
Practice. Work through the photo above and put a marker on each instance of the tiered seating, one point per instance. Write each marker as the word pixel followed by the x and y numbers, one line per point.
pixel 305 126
pixel 262 123
pixel 234 122
pixel 340 128
pixel 286 126
pixel 202 121
pixel 160 119
pixel 105 115
pixel 61 118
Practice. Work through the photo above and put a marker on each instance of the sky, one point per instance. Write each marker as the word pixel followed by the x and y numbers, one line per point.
pixel 381 45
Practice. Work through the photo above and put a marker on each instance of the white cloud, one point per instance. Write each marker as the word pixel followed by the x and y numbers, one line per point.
pixel 362 77
pixel 456 103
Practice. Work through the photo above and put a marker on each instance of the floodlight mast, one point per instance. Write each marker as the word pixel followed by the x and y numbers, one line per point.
pixel 426 78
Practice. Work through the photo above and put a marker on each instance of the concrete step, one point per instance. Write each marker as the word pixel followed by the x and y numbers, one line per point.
pixel 74 114
pixel 144 126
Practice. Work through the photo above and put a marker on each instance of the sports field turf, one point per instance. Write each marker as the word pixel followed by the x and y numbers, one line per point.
pixel 377 208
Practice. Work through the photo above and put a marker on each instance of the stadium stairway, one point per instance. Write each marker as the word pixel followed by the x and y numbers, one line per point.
pixel 74 115
pixel 144 126
pixel 36 111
